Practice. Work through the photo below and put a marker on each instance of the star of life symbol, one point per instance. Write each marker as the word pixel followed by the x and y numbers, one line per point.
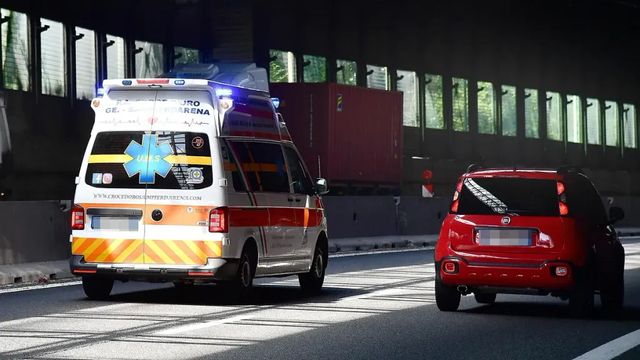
pixel 148 159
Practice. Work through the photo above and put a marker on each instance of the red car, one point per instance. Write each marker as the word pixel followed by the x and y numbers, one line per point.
pixel 529 231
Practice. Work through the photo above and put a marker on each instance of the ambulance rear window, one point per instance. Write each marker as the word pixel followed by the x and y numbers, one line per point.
pixel 157 160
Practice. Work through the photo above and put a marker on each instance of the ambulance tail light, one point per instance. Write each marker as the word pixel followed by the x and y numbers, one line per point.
pixel 77 218
pixel 219 220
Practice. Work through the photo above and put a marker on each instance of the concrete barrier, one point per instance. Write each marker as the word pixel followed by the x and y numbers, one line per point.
pixel 36 231
pixel 33 231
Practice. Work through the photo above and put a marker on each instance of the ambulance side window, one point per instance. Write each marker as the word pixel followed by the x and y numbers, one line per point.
pixel 299 178
pixel 231 165
pixel 263 166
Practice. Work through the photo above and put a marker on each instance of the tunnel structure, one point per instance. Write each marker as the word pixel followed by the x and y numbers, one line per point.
pixel 499 83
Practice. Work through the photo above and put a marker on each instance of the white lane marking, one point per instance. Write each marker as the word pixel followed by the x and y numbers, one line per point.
pixel 613 348
pixel 38 287
pixel 203 325
pixel 376 252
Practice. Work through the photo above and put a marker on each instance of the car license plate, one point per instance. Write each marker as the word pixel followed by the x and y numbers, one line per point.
pixel 121 223
pixel 504 237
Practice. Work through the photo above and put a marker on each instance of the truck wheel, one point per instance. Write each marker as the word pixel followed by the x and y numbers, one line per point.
pixel 485 298
pixel 447 297
pixel 612 294
pixel 311 282
pixel 581 297
pixel 97 288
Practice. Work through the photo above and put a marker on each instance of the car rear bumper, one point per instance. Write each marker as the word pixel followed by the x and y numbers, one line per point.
pixel 533 276
pixel 216 269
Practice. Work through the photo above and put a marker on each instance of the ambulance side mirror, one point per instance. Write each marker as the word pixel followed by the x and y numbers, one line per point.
pixel 321 186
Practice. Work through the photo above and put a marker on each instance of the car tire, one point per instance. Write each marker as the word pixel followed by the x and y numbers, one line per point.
pixel 485 298
pixel 612 294
pixel 243 282
pixel 311 282
pixel 97 288
pixel 581 297
pixel 447 297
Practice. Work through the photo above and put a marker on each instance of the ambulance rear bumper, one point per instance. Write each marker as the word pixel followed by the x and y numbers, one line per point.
pixel 214 270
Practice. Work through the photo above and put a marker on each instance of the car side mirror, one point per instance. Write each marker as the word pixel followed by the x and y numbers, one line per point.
pixel 321 186
pixel 615 214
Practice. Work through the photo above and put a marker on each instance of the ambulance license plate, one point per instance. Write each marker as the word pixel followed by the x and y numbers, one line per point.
pixel 121 223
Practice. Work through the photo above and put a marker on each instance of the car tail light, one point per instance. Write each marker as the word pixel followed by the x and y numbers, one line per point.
pixel 562 199
pixel 450 267
pixel 456 195
pixel 219 220
pixel 561 271
pixel 77 218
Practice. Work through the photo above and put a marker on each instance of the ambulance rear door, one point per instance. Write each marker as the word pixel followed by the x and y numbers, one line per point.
pixel 180 192
pixel 114 180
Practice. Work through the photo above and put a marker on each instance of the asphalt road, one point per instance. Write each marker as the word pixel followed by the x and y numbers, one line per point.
pixel 373 307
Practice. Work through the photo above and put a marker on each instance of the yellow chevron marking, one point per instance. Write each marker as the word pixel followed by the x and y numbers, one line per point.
pixel 139 259
pixel 77 242
pixel 214 247
pixel 133 246
pixel 154 247
pixel 185 259
pixel 113 245
pixel 196 250
pixel 94 245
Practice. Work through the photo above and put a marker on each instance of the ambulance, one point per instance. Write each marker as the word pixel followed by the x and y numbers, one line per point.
pixel 193 178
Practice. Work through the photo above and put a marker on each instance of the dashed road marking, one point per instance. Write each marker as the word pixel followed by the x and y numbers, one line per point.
pixel 613 348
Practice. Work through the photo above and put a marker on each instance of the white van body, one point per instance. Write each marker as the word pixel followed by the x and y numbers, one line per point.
pixel 190 180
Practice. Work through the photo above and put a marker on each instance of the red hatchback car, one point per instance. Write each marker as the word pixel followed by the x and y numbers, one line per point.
pixel 529 231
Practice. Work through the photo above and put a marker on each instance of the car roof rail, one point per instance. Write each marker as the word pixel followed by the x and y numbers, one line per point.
pixel 564 169
pixel 473 167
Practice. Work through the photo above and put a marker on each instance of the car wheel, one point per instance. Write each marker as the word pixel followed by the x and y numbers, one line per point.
pixel 447 297
pixel 97 288
pixel 581 297
pixel 485 298
pixel 312 281
pixel 612 294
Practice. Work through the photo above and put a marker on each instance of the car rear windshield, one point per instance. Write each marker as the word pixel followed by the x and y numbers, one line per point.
pixel 157 160
pixel 534 197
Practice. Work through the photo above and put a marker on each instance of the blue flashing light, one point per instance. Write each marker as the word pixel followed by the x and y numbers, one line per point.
pixel 127 82
pixel 100 91
pixel 178 82
pixel 222 92
pixel 276 102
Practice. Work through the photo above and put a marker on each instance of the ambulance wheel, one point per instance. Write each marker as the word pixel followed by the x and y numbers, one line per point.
pixel 97 288
pixel 311 282
pixel 243 282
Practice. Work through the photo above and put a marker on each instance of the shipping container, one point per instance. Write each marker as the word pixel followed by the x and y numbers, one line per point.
pixel 347 134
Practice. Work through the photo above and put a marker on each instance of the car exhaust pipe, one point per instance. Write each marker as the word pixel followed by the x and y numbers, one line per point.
pixel 463 289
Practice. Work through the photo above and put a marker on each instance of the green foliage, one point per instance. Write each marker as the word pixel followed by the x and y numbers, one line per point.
pixel 278 67
pixel 508 111
pixel 316 69
pixel 460 96
pixel 433 102
pixel 531 117
pixel 554 128
pixel 347 74
pixel 486 108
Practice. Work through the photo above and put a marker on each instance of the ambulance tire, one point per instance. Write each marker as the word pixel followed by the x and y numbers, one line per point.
pixel 311 282
pixel 242 285
pixel 97 288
